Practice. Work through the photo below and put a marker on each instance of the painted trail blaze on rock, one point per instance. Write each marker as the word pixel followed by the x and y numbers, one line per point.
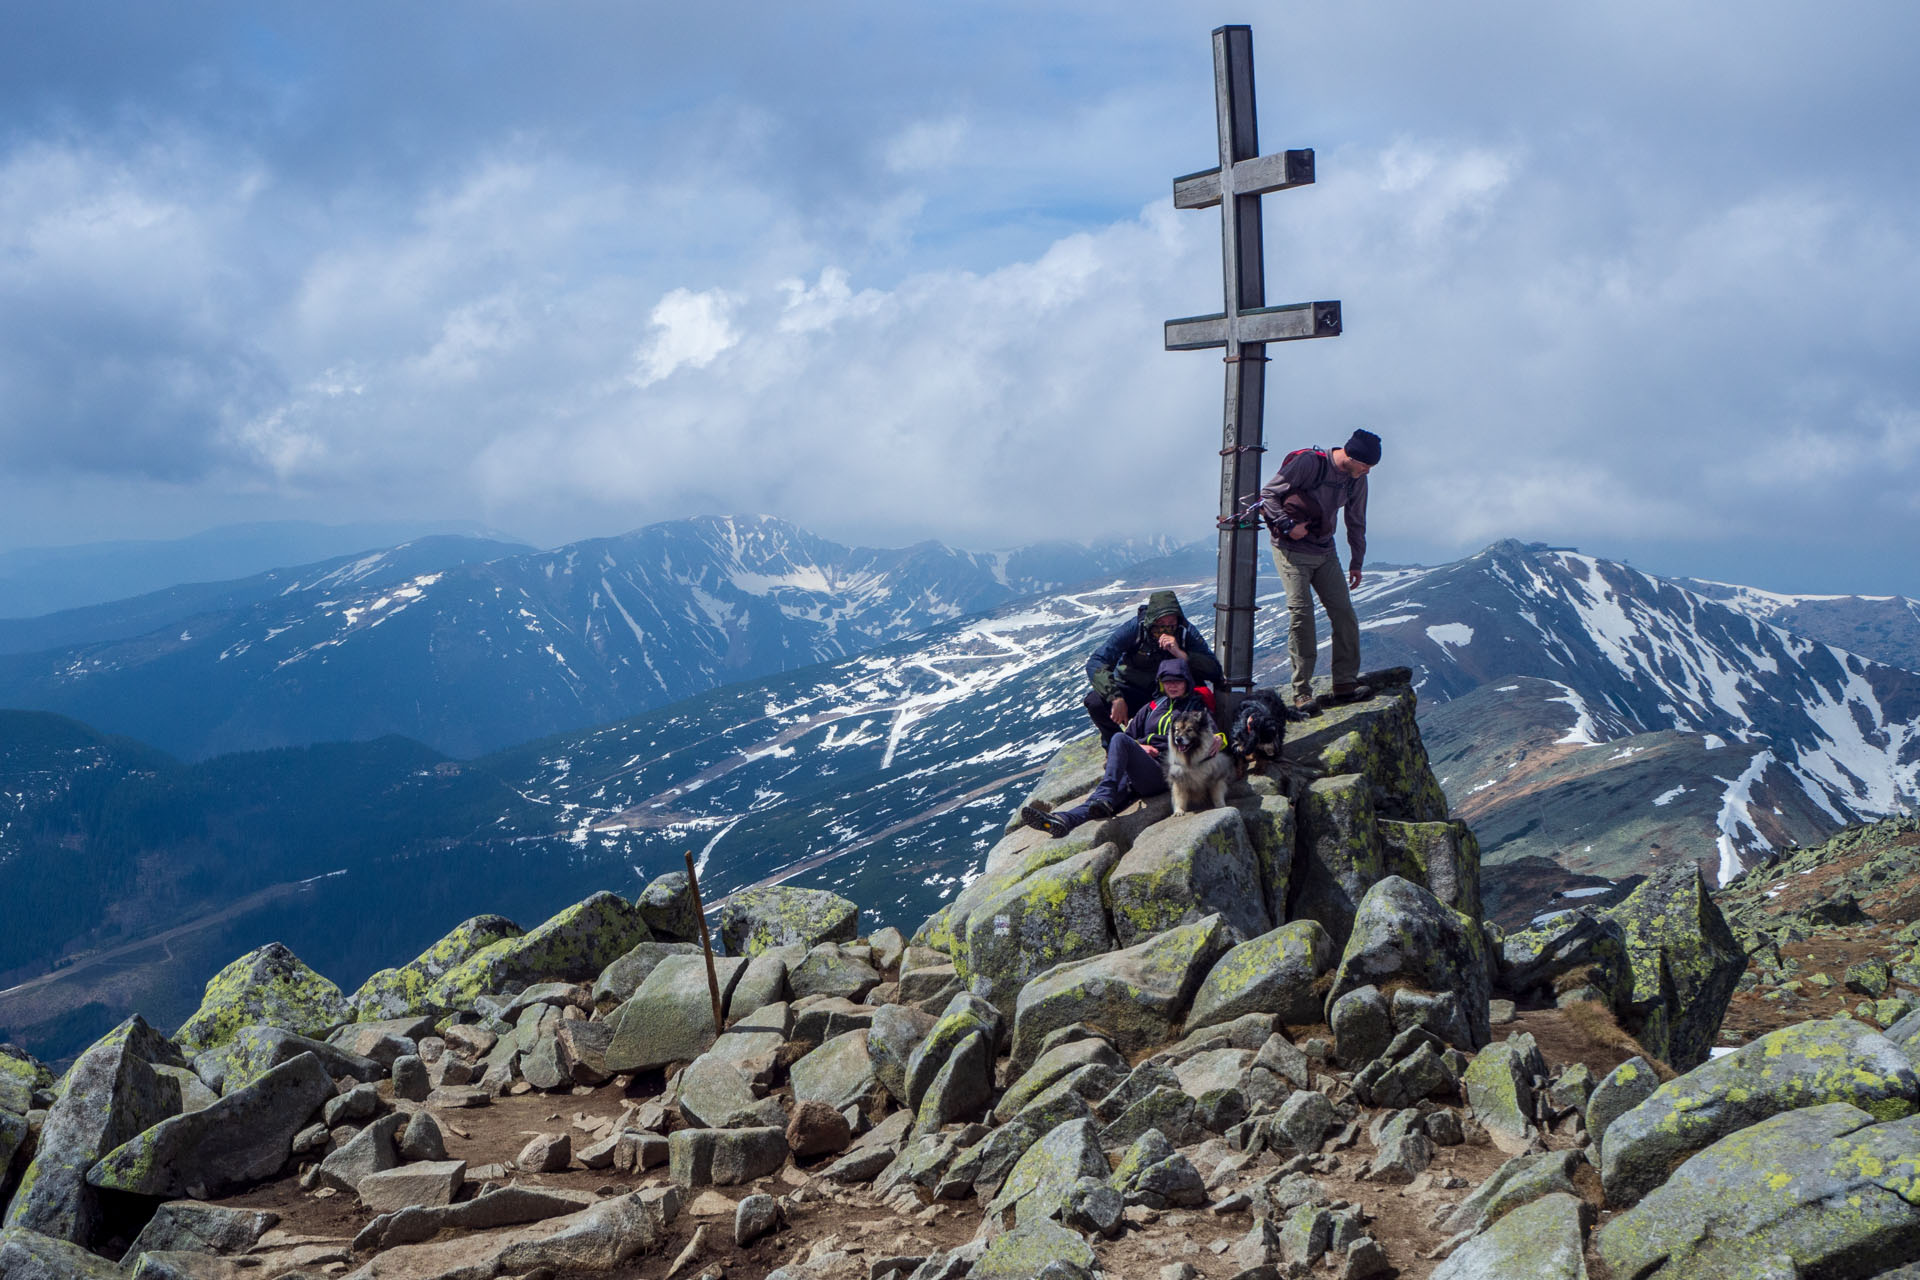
pixel 1055 915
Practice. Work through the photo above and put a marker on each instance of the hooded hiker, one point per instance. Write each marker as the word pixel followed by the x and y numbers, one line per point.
pixel 1134 755
pixel 1123 670
pixel 1302 505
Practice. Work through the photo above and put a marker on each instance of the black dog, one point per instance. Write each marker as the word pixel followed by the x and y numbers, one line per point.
pixel 1260 729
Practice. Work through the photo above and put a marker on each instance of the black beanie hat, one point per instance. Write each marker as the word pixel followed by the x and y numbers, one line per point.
pixel 1364 446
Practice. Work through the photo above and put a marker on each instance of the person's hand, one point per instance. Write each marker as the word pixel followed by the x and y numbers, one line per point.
pixel 1118 710
pixel 1169 645
pixel 1152 751
pixel 1353 577
pixel 1298 531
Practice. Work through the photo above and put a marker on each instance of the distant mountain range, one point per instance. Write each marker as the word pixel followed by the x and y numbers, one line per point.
pixel 471 646
pixel 41 580
pixel 1591 722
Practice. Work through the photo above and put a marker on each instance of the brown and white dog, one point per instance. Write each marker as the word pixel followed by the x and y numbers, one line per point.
pixel 1197 769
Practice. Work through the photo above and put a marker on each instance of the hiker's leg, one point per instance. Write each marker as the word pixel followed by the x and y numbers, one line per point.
pixel 1099 710
pixel 1142 773
pixel 1330 584
pixel 1301 644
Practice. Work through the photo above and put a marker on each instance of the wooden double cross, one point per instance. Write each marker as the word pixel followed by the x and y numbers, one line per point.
pixel 1244 328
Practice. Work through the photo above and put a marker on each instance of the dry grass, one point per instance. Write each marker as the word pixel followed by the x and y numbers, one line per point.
pixel 1596 1022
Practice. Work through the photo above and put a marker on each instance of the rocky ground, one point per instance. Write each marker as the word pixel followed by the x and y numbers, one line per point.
pixel 1273 1039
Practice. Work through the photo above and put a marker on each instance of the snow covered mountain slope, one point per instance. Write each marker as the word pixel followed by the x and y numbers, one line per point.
pixel 1591 722
pixel 1796 736
pixel 476 656
pixel 1578 712
pixel 1884 628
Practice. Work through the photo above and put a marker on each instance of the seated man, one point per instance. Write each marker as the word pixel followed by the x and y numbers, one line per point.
pixel 1122 670
pixel 1133 757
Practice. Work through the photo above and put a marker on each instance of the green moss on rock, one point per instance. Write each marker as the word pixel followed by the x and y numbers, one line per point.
pixel 757 920
pixel 1810 1064
pixel 267 986
pixel 405 992
pixel 573 946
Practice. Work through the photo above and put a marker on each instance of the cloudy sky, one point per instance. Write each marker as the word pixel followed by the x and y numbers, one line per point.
pixel 1638 277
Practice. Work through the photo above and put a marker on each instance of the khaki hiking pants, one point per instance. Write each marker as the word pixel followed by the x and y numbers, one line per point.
pixel 1304 572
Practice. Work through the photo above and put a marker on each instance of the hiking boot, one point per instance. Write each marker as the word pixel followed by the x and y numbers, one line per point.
pixel 1041 818
pixel 1306 706
pixel 1352 692
pixel 1099 810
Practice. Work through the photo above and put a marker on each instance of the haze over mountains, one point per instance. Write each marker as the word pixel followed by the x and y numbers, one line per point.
pixel 469 647
pixel 1588 720
pixel 41 580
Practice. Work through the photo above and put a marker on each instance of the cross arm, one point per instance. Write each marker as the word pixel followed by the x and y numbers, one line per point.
pixel 1267 324
pixel 1253 177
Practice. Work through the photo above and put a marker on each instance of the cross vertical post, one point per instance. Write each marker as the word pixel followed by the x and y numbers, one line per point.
pixel 1244 329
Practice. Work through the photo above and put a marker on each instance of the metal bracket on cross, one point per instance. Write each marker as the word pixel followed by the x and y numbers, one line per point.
pixel 1243 329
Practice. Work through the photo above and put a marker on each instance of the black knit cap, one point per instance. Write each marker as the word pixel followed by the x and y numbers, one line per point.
pixel 1364 446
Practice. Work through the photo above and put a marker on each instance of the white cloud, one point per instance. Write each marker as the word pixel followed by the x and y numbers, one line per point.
pixel 917 295
pixel 693 329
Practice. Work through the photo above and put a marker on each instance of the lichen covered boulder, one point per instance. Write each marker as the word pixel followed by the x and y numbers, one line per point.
pixel 254 1051
pixel 1404 936
pixel 839 1073
pixel 1378 739
pixel 1573 948
pixel 1542 1240
pixel 1274 973
pixel 1684 961
pixel 243 1138
pixel 1499 1086
pixel 20 1075
pixel 1137 995
pixel 1269 822
pixel 1037 1188
pixel 112 1094
pixel 666 907
pixel 403 992
pixel 267 986
pixel 1015 856
pixel 1185 869
pixel 756 920
pixel 1340 853
pixel 1807 1065
pixel 670 1018
pixel 1055 915
pixel 573 946
pixel 1442 857
pixel 1822 1191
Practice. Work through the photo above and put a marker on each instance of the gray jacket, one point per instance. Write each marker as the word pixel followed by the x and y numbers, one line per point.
pixel 1310 473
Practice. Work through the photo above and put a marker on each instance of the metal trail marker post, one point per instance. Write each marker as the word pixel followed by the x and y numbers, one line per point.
pixel 1245 328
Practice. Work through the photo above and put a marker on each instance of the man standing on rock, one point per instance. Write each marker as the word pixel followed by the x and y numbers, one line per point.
pixel 1134 767
pixel 1301 506
pixel 1122 671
